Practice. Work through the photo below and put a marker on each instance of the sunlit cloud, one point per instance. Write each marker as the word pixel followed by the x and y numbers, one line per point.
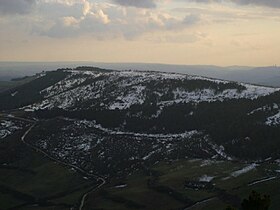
pixel 177 31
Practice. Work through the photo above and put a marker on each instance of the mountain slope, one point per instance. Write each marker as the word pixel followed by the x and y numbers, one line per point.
pixel 123 89
pixel 113 122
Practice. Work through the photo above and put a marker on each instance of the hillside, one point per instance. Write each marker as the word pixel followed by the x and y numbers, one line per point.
pixel 115 123
pixel 154 103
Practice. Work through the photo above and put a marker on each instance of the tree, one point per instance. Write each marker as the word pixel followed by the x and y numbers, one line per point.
pixel 256 201
pixel 230 208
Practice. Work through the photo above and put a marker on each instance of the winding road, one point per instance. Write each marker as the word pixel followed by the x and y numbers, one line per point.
pixel 89 175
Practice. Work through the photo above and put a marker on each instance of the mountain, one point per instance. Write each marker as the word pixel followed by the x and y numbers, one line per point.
pixel 267 75
pixel 93 138
pixel 114 123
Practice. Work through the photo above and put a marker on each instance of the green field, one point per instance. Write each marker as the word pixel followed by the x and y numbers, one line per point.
pixel 170 191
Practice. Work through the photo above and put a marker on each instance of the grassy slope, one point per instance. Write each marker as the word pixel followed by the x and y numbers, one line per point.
pixel 29 92
pixel 6 85
pixel 34 176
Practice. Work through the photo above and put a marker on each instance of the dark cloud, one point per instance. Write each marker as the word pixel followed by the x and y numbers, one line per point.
pixel 152 3
pixel 268 3
pixel 191 19
pixel 8 7
pixel 137 3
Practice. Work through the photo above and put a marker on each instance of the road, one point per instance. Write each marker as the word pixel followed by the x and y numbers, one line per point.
pixel 89 175
pixel 200 202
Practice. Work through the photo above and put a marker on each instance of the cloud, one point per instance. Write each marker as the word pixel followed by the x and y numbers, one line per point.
pixel 137 3
pixel 267 3
pixel 10 7
pixel 109 21
pixel 152 3
pixel 191 19
pixel 70 21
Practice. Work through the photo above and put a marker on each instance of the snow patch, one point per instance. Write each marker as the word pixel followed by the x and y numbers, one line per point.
pixel 273 120
pixel 14 93
pixel 262 180
pixel 206 178
pixel 244 170
pixel 7 127
pixel 121 186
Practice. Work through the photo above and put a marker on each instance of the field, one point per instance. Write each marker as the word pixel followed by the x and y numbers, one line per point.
pixel 29 180
pixel 190 184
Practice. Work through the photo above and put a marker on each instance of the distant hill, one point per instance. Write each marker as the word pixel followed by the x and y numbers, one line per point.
pixel 269 76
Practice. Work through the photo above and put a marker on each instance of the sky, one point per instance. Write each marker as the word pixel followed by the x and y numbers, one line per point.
pixel 191 32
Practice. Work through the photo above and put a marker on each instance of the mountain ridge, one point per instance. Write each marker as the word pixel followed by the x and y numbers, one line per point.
pixel 161 103
pixel 245 74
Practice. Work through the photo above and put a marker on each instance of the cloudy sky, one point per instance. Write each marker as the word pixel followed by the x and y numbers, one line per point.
pixel 219 32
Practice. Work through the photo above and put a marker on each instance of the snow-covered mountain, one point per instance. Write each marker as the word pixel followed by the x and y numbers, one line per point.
pixel 115 121
pixel 123 89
